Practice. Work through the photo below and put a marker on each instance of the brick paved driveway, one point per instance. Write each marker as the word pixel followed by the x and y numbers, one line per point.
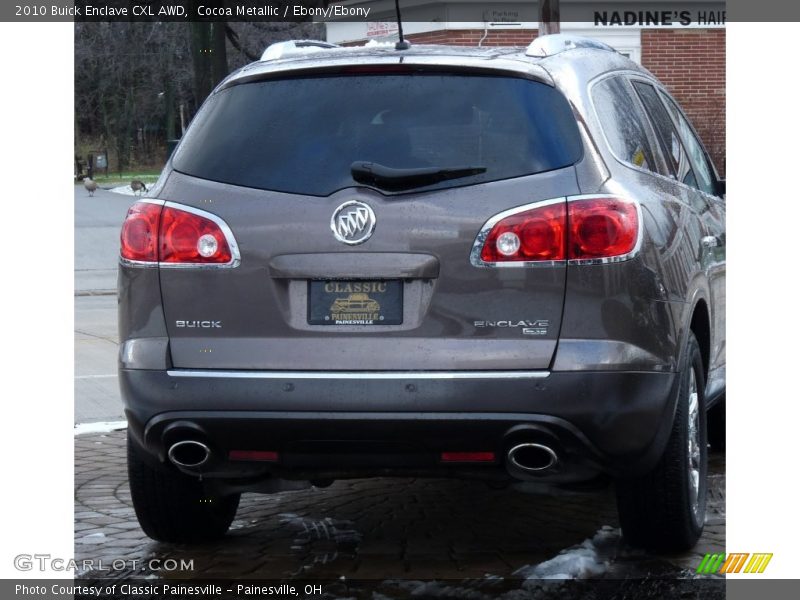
pixel 375 529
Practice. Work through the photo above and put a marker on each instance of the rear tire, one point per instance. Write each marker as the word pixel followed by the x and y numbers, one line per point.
pixel 664 510
pixel 174 507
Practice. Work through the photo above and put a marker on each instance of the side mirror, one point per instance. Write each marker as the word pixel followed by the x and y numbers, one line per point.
pixel 721 188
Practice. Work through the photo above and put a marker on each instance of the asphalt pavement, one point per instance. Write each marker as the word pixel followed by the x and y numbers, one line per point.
pixel 97 224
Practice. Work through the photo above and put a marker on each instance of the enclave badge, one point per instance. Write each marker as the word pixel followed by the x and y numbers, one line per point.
pixel 353 222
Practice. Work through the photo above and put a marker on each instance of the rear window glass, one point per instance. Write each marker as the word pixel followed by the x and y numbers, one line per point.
pixel 302 135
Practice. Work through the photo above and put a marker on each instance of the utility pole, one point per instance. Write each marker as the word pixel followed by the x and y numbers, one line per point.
pixel 549 17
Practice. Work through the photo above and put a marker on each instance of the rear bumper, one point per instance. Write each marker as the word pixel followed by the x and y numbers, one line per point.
pixel 362 424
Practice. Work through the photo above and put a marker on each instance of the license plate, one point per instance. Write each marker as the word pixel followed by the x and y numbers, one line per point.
pixel 355 302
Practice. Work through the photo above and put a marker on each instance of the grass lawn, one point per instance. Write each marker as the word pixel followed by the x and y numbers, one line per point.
pixel 115 179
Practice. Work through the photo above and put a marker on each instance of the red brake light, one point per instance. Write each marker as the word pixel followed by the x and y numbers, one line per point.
pixel 139 236
pixel 189 238
pixel 532 235
pixel 579 229
pixel 602 228
pixel 154 233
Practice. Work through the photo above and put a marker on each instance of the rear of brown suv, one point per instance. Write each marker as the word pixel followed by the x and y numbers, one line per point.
pixel 431 262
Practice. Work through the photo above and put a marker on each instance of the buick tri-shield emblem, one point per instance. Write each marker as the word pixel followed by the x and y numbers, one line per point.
pixel 353 222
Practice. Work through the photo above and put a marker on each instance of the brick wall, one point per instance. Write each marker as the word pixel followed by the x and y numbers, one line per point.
pixel 471 37
pixel 691 64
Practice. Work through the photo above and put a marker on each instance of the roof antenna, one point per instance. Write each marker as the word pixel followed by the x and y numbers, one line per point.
pixel 401 44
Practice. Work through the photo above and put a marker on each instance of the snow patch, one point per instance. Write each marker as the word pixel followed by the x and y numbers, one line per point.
pixel 93 538
pixel 377 44
pixel 126 190
pixel 321 541
pixel 100 427
pixel 240 524
pixel 591 558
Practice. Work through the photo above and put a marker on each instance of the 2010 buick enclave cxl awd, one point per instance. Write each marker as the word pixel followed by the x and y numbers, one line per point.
pixel 503 264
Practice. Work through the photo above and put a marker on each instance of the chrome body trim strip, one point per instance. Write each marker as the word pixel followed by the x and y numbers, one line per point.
pixel 348 375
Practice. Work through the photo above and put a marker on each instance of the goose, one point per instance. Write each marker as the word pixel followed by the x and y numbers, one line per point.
pixel 138 186
pixel 90 185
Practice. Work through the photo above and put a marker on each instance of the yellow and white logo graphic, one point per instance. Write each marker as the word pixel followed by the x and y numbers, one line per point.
pixel 354 304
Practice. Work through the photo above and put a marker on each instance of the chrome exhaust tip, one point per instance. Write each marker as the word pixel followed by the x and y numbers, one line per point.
pixel 189 454
pixel 532 458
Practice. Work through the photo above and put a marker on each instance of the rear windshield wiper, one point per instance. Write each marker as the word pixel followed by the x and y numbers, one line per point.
pixel 387 178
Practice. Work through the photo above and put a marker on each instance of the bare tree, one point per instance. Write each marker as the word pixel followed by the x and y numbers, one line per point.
pixel 131 79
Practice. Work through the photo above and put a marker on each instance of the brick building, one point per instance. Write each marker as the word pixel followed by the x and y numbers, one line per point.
pixel 689 60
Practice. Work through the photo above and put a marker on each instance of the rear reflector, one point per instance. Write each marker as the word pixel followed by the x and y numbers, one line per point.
pixel 174 236
pixel 453 457
pixel 253 455
pixel 584 228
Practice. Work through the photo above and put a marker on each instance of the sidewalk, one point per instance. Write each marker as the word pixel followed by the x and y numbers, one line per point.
pixel 378 529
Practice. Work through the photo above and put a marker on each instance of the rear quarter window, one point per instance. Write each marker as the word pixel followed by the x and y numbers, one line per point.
pixel 301 135
pixel 624 124
pixel 665 130
pixel 706 178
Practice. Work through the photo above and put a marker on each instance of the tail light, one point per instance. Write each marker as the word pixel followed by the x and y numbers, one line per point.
pixel 602 228
pixel 186 237
pixel 175 236
pixel 595 228
pixel 532 235
pixel 139 237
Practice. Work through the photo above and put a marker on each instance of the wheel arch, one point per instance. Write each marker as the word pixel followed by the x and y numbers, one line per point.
pixel 700 326
pixel 696 318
